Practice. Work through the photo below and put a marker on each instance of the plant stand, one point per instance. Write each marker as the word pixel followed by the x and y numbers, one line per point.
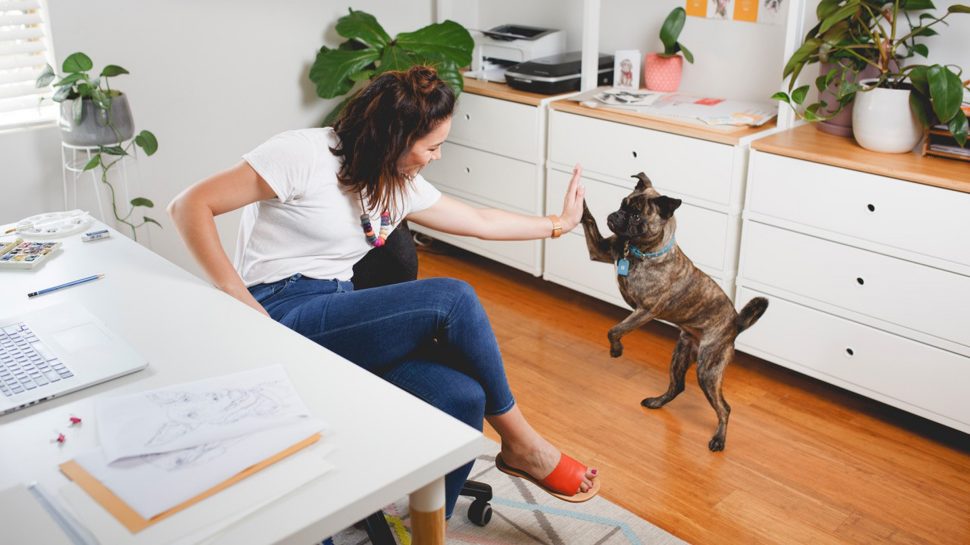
pixel 73 159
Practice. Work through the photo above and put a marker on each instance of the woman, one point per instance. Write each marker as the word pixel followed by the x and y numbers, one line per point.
pixel 312 198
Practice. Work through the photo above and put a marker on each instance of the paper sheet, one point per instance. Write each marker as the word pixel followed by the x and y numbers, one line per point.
pixel 215 514
pixel 155 483
pixel 196 413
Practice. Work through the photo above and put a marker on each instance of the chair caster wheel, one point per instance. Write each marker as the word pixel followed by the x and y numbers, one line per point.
pixel 480 512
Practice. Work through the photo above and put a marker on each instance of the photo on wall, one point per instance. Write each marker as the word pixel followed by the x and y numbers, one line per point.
pixel 626 69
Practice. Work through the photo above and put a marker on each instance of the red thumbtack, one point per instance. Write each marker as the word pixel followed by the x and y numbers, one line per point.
pixel 75 421
pixel 60 439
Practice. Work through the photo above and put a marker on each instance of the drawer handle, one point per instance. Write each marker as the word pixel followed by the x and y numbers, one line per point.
pixel 468 117
pixel 860 280
pixel 468 170
pixel 634 154
pixel 849 352
pixel 871 207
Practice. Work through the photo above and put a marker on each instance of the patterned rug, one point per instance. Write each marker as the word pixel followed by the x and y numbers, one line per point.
pixel 524 514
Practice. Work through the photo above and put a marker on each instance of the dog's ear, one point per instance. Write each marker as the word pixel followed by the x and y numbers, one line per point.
pixel 644 181
pixel 666 205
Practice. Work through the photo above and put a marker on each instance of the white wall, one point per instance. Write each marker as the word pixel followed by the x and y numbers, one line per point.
pixel 212 79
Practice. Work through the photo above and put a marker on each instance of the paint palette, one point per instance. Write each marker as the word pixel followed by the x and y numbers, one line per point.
pixel 25 254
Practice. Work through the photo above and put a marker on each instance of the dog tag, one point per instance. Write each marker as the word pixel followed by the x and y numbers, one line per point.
pixel 623 267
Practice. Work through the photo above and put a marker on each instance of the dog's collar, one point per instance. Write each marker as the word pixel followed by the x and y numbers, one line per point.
pixel 640 254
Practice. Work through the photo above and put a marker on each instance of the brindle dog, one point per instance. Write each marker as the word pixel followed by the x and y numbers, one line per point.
pixel 659 281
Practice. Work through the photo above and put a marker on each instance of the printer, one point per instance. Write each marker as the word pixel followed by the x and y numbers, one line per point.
pixel 556 74
pixel 505 45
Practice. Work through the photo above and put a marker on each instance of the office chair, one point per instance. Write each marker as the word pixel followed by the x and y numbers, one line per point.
pixel 397 261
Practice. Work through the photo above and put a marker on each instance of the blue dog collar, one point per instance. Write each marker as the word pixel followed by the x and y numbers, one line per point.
pixel 646 255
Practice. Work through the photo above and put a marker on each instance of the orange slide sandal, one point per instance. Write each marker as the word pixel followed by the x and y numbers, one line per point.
pixel 563 480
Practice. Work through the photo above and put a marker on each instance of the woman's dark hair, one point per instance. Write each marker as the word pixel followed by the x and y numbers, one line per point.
pixel 381 123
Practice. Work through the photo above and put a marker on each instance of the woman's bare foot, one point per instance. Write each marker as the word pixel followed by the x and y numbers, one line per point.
pixel 526 450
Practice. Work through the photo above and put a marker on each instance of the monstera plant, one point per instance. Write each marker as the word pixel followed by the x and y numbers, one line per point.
pixel 370 51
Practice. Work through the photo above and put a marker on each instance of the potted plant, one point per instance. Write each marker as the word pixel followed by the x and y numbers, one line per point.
pixel 95 115
pixel 369 51
pixel 662 71
pixel 901 99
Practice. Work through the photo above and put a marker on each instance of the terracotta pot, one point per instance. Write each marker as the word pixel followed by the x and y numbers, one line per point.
pixel 841 124
pixel 883 121
pixel 662 73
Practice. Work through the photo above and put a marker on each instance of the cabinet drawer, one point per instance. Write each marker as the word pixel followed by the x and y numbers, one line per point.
pixel 916 218
pixel 898 371
pixel 900 292
pixel 495 125
pixel 487 178
pixel 701 233
pixel 567 262
pixel 525 255
pixel 687 166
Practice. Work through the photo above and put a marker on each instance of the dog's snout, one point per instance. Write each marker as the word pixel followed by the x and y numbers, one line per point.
pixel 615 221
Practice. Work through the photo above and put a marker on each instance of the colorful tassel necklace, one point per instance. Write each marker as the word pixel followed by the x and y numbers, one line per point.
pixel 374 240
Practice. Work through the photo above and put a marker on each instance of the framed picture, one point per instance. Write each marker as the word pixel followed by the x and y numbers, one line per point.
pixel 626 69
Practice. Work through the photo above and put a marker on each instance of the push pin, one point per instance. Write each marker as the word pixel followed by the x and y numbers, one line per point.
pixel 75 421
pixel 60 439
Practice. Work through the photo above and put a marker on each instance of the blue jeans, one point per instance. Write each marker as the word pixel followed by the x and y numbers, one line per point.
pixel 430 337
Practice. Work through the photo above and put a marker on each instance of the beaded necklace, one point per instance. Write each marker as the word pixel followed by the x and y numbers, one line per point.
pixel 374 240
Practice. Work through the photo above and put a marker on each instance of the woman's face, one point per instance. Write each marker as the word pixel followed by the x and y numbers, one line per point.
pixel 425 150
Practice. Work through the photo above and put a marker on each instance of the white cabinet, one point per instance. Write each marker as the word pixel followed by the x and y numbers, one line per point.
pixel 493 159
pixel 708 176
pixel 868 281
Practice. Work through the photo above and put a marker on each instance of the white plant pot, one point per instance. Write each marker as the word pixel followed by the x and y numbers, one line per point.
pixel 883 121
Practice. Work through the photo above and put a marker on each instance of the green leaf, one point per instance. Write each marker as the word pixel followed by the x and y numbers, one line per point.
pixel 363 75
pixel 798 95
pixel 958 127
pixel 450 73
pixel 142 201
pixel 332 69
pixel 396 57
pixel 77 109
pixel 114 150
pixel 364 28
pixel 801 55
pixel 61 94
pixel 919 106
pixel 820 83
pixel 671 29
pixel 70 79
pixel 826 8
pixel 46 77
pixel 146 219
pixel 921 49
pixel 93 162
pixel 925 32
pixel 687 54
pixel 916 5
pixel 448 39
pixel 958 8
pixel 113 70
pixel 946 92
pixel 77 62
pixel 849 10
pixel 147 142
pixel 919 80
pixel 783 97
pixel 100 98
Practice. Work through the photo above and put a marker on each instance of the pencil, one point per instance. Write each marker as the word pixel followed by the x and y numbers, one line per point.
pixel 65 285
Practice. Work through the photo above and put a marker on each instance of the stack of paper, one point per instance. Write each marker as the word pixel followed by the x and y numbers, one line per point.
pixel 163 448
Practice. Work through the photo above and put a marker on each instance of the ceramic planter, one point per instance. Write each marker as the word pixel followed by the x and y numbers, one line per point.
pixel 662 73
pixel 883 121
pixel 95 128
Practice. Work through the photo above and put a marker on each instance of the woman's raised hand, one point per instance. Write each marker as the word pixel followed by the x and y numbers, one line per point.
pixel 572 206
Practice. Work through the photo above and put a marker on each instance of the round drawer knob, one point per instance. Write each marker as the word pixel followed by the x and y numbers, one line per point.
pixel 871 207
pixel 468 170
pixel 860 280
pixel 849 352
pixel 468 117
pixel 634 154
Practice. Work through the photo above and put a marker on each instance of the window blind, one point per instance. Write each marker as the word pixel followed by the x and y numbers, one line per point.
pixel 24 50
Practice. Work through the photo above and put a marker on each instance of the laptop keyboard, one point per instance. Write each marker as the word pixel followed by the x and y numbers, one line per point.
pixel 25 363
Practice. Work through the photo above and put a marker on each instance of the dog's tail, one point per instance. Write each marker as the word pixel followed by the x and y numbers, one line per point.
pixel 751 312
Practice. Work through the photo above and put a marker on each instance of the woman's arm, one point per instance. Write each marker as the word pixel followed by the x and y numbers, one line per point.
pixel 457 218
pixel 194 211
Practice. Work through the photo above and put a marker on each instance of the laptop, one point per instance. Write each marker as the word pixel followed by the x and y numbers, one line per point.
pixel 57 350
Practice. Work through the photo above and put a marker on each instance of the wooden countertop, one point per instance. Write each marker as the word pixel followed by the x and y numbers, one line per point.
pixel 808 143
pixel 502 91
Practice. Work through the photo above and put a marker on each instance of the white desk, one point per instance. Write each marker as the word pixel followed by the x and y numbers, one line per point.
pixel 388 443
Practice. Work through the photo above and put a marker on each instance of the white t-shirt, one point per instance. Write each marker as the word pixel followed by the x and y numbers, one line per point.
pixel 312 227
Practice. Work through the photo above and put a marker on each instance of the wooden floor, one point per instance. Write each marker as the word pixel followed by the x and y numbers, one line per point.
pixel 805 462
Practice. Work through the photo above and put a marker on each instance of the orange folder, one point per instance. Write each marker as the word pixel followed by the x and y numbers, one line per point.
pixel 135 522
